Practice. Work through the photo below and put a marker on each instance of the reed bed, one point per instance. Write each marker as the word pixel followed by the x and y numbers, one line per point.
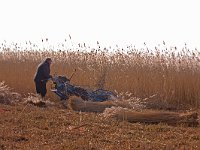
pixel 169 74
pixel 152 117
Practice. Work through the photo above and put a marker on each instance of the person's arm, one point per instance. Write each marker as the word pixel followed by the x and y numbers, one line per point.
pixel 47 72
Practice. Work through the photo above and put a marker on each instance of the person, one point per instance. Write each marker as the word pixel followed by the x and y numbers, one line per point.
pixel 41 77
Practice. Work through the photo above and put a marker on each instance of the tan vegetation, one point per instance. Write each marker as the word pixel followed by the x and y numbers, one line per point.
pixel 7 96
pixel 171 74
pixel 126 111
pixel 30 127
pixel 77 104
pixel 161 78
pixel 153 117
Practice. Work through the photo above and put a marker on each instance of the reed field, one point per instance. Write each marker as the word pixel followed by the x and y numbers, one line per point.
pixel 167 74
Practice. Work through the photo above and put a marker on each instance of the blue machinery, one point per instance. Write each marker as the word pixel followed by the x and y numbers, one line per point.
pixel 64 89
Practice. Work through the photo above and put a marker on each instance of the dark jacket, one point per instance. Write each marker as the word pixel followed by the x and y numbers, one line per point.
pixel 43 72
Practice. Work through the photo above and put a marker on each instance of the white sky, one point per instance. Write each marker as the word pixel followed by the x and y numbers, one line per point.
pixel 108 21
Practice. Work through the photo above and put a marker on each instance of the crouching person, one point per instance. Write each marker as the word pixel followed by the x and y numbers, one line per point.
pixel 42 75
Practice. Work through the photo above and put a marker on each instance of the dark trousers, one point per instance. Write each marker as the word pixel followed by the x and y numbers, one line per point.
pixel 41 88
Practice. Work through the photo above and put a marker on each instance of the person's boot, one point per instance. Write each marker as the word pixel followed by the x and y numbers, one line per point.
pixel 38 101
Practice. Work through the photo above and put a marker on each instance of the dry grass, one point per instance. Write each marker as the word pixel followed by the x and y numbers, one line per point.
pixel 159 77
pixel 7 96
pixel 152 116
pixel 133 112
pixel 77 104
pixel 170 74
pixel 30 127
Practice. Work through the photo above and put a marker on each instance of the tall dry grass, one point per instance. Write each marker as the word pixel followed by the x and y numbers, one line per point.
pixel 172 75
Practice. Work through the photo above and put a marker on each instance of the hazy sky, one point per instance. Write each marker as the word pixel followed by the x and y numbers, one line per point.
pixel 108 21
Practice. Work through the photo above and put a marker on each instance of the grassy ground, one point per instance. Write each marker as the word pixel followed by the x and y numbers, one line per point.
pixel 31 127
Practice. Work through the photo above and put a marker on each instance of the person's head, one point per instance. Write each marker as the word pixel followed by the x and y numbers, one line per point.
pixel 48 60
